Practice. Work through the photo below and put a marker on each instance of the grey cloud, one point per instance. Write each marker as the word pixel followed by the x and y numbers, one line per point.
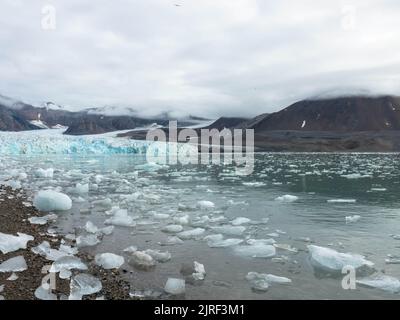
pixel 208 58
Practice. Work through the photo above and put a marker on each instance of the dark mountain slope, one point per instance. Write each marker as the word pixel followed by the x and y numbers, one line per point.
pixel 347 114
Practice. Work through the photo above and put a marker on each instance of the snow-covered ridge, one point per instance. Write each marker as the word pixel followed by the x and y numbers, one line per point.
pixel 53 141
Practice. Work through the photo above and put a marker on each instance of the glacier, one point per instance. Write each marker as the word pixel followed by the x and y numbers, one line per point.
pixel 52 141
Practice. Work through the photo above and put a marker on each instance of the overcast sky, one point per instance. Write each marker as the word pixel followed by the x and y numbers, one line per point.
pixel 203 57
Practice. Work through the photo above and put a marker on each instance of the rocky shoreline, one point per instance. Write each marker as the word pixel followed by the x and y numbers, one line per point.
pixel 15 212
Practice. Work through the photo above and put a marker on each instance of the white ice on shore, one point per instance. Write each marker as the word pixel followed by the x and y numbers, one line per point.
pixel 84 284
pixel 48 200
pixel 42 220
pixel 175 286
pixel 10 243
pixel 45 250
pixel 15 264
pixel 67 263
pixel 329 260
pixel 109 260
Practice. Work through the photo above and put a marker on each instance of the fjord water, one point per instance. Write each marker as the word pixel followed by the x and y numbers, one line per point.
pixel 372 180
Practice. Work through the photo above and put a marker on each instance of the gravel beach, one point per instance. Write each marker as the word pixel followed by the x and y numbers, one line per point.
pixel 15 211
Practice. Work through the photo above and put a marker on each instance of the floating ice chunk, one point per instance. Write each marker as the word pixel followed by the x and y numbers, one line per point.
pixel 175 286
pixel 287 198
pixel 49 200
pixel 158 255
pixel 84 284
pixel 253 184
pixel 191 234
pixel 42 293
pixel 356 176
pixel 182 220
pixel 256 251
pixel 16 264
pixel 91 228
pixel 87 241
pixel 42 220
pixel 382 282
pixel 144 294
pixel 230 230
pixel 378 189
pixel 121 219
pixel 10 243
pixel 329 260
pixel 81 188
pixel 199 271
pixel 142 260
pixel 204 204
pixel 172 228
pixel 161 216
pixel 104 203
pixel 342 201
pixel 67 263
pixel 261 281
pixel 286 247
pixel 131 249
pixel 351 219
pixel 44 173
pixel 109 260
pixel 171 241
pixel 240 220
pixel 261 241
pixel 221 243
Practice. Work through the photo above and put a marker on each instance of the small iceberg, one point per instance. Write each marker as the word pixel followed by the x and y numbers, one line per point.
pixel 49 200
pixel 287 198
pixel 330 261
pixel 109 260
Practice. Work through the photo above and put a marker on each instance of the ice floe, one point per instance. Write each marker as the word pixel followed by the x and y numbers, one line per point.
pixel 191 234
pixel 262 281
